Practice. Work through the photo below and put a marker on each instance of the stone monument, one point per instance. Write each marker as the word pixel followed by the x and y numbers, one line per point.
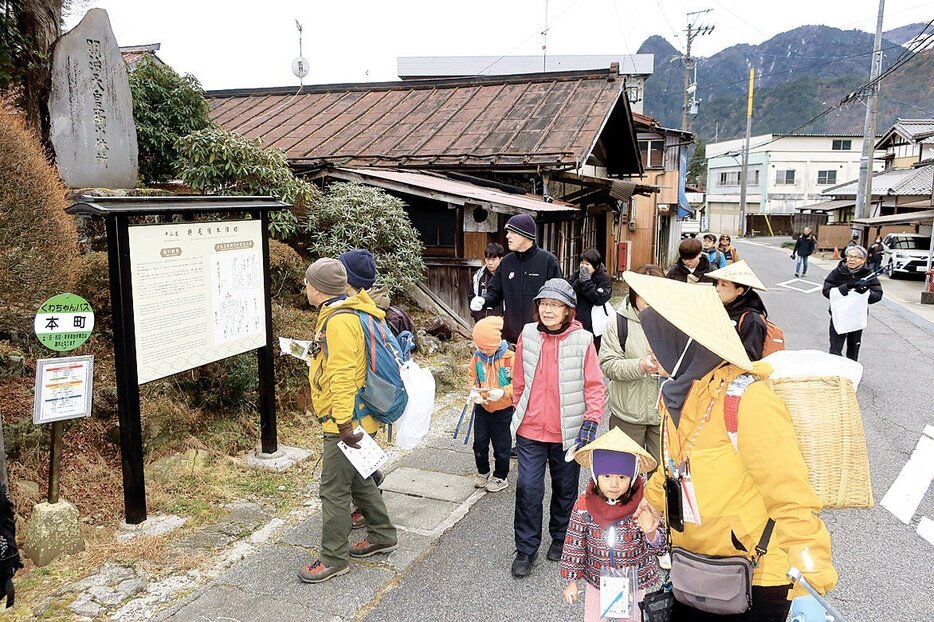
pixel 91 108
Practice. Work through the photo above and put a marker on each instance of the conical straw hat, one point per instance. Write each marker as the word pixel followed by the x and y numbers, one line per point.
pixel 739 273
pixel 617 440
pixel 696 310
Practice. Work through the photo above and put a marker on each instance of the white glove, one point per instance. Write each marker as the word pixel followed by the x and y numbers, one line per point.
pixel 477 303
pixel 477 397
pixel 494 394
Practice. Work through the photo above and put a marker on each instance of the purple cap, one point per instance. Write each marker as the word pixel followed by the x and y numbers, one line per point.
pixel 609 462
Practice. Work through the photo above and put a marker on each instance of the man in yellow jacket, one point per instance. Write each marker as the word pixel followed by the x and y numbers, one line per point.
pixel 337 373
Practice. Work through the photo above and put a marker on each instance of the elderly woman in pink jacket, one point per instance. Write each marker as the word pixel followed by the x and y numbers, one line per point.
pixel 559 399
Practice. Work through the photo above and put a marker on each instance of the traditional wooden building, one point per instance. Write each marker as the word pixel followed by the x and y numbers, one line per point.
pixel 464 154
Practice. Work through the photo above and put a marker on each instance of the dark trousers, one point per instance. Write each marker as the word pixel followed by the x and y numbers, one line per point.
pixel 769 604
pixel 492 428
pixel 851 339
pixel 530 493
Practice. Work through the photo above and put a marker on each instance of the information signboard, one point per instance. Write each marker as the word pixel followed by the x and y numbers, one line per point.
pixel 198 293
pixel 64 387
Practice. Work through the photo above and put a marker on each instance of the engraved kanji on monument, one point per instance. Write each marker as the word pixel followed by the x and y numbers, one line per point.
pixel 91 108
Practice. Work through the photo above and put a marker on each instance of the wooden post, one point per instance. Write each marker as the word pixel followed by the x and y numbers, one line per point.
pixel 128 411
pixel 265 358
pixel 55 461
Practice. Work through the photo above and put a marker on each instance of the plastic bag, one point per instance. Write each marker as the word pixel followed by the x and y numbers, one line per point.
pixel 810 363
pixel 600 317
pixel 420 386
pixel 850 312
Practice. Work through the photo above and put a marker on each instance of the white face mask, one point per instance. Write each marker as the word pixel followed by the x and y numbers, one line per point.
pixel 673 373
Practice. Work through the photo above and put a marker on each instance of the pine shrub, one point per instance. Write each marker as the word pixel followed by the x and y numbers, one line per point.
pixel 38 241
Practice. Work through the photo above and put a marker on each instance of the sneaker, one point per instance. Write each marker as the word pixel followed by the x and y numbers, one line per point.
pixel 513 454
pixel 318 572
pixel 357 521
pixel 555 551
pixel 480 480
pixel 522 565
pixel 797 275
pixel 496 484
pixel 365 548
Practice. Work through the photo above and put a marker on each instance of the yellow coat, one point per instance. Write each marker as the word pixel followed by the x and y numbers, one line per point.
pixel 336 379
pixel 739 487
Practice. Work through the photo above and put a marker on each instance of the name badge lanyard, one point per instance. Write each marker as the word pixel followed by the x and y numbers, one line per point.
pixel 618 585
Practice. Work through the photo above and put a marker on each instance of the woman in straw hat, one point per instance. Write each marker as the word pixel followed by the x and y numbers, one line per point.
pixel 627 363
pixel 729 449
pixel 736 285
pixel 559 398
pixel 612 532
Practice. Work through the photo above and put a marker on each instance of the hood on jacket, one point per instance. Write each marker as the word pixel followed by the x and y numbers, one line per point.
pixel 361 301
pixel 749 301
pixel 628 311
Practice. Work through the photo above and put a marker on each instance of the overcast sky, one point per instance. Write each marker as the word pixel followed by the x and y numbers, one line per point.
pixel 251 43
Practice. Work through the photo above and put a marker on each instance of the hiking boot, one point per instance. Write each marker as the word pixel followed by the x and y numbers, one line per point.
pixel 522 565
pixel 496 484
pixel 365 548
pixel 480 480
pixel 318 572
pixel 357 521
pixel 555 551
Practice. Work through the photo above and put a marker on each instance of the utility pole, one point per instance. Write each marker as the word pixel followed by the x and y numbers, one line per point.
pixel 864 185
pixel 690 88
pixel 743 175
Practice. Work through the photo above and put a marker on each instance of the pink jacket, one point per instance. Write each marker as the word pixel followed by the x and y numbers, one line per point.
pixel 542 420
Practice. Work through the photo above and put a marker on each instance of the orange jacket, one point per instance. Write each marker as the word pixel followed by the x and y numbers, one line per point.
pixel 497 375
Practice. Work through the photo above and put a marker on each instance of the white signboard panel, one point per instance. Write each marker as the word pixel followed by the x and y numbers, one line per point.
pixel 198 294
pixel 64 388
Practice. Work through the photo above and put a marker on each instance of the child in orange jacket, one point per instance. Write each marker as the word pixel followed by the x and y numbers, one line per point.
pixel 490 375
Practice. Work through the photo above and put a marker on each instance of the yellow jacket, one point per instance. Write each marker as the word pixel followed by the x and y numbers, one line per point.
pixel 335 380
pixel 739 487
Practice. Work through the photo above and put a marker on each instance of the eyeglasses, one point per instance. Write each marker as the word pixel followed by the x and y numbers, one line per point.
pixel 550 305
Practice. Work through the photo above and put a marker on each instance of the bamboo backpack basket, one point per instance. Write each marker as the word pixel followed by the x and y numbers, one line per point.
pixel 829 428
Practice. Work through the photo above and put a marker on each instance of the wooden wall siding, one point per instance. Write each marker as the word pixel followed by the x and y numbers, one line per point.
pixel 475 244
pixel 450 281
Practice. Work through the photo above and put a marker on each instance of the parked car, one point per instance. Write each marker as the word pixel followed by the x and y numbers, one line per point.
pixel 908 251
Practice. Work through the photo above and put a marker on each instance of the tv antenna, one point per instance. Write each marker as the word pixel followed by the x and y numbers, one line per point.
pixel 300 63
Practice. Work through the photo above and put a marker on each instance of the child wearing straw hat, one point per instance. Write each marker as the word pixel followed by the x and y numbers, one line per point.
pixel 736 285
pixel 613 532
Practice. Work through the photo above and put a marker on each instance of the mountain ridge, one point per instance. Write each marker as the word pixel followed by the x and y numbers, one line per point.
pixel 799 73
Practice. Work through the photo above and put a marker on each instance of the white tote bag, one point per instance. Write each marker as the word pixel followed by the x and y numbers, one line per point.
pixel 850 312
pixel 413 424
pixel 600 317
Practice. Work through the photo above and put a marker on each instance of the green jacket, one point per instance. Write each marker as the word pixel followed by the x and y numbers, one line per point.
pixel 633 394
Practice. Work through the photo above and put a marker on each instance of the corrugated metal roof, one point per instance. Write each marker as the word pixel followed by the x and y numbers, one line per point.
pixel 899 182
pixel 906 218
pixel 452 190
pixel 451 66
pixel 505 123
pixel 828 206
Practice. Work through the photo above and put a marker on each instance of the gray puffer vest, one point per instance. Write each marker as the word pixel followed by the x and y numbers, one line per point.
pixel 571 351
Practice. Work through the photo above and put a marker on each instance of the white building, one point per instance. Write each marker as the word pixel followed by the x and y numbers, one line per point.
pixel 634 68
pixel 786 171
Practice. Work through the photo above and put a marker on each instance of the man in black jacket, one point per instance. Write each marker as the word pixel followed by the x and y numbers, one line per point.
pixel 804 246
pixel 519 277
pixel 852 274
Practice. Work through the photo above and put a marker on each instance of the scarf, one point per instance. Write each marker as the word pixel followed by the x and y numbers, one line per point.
pixel 606 515
pixel 668 343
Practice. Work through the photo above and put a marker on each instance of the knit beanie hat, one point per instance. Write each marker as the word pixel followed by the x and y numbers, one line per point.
pixel 360 266
pixel 380 296
pixel 524 225
pixel 488 333
pixel 327 276
pixel 558 289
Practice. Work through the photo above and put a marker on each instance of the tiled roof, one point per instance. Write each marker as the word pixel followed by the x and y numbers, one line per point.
pixel 914 130
pixel 901 182
pixel 440 66
pixel 556 121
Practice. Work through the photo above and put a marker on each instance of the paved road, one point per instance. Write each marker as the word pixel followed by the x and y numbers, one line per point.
pixel 886 568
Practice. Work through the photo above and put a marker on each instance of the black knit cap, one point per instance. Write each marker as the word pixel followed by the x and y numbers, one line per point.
pixel 524 225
